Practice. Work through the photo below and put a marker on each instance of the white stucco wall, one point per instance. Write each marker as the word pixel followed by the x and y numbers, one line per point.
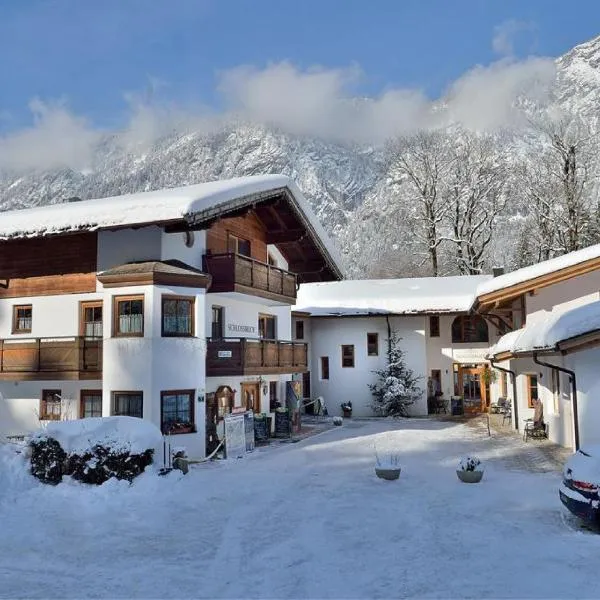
pixel 327 337
pixel 128 245
pixel 173 247
pixel 20 403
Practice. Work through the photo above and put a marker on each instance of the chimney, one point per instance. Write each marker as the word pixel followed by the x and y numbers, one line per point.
pixel 497 271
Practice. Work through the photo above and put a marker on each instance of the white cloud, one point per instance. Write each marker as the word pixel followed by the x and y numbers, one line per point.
pixel 56 139
pixel 505 34
pixel 318 102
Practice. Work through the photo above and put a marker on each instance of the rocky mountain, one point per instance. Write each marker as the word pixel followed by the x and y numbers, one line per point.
pixel 343 182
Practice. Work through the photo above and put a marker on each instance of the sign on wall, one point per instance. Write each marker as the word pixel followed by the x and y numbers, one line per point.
pixel 470 355
pixel 235 328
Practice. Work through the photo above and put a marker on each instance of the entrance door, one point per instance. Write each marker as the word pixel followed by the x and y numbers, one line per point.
pixel 472 388
pixel 306 384
pixel 251 396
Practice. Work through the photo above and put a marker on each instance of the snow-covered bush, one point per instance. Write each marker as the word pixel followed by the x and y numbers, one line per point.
pixel 470 463
pixel 388 460
pixel 94 450
pixel 337 420
pixel 397 387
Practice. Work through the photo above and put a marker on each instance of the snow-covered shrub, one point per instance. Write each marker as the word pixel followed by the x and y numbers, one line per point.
pixel 388 460
pixel 94 450
pixel 397 387
pixel 47 460
pixel 337 420
pixel 470 463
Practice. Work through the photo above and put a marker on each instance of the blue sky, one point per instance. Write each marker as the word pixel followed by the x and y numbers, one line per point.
pixel 93 54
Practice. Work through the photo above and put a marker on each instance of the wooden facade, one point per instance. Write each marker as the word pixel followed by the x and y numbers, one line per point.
pixel 50 358
pixel 48 265
pixel 241 356
pixel 246 227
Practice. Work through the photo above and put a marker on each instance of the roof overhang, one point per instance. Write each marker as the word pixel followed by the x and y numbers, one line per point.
pixel 501 297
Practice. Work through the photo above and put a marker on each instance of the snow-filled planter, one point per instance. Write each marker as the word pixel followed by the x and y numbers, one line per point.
pixel 94 450
pixel 470 469
pixel 388 466
pixel 337 420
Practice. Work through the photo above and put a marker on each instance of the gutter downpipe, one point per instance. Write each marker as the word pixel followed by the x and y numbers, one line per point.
pixel 514 386
pixel 573 382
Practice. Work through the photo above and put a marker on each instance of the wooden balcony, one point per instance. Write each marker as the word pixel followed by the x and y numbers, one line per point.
pixel 236 273
pixel 59 358
pixel 243 356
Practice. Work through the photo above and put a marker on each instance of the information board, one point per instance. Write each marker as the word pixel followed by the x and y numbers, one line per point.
pixel 249 430
pixel 235 436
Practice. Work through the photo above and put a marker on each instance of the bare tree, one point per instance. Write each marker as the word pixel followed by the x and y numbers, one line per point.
pixel 417 167
pixel 475 197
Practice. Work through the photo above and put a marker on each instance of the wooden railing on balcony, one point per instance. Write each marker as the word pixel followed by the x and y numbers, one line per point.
pixel 243 356
pixel 51 358
pixel 236 273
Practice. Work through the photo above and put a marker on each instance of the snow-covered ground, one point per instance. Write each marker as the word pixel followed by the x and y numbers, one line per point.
pixel 305 520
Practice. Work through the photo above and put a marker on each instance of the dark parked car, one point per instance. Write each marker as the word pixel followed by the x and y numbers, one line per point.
pixel 579 488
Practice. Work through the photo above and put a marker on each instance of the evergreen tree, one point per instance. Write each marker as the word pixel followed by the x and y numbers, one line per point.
pixel 397 386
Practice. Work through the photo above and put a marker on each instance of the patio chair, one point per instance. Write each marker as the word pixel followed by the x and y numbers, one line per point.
pixel 498 407
pixel 507 413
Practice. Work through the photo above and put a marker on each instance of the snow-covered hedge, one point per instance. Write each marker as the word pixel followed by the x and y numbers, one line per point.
pixel 94 450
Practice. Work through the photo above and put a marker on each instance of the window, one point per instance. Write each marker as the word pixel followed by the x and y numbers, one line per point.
pixel 22 318
pixel 434 326
pixel 267 327
pixel 503 385
pixel 177 411
pixel 130 404
pixel 177 316
pixel 347 356
pixel 373 344
pixel 50 405
pixel 273 401
pixel 129 315
pixel 532 390
pixel 238 245
pixel 299 330
pixel 91 403
pixel 324 367
pixel 218 323
pixel 469 329
pixel 91 319
pixel 556 390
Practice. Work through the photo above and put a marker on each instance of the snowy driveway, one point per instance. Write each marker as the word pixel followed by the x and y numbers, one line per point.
pixel 306 520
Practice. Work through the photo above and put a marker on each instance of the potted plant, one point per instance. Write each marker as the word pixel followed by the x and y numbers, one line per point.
pixel 347 409
pixel 470 469
pixel 389 467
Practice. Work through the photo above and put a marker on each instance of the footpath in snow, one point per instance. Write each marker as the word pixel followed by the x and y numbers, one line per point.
pixel 304 520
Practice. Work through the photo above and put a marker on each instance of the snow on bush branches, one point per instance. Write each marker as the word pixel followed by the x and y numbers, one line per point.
pixel 397 387
pixel 94 450
pixel 470 463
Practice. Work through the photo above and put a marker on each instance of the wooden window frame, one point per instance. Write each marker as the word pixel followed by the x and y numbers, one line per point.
pixel 126 393
pixel 43 404
pixel 267 317
pixel 344 358
pixel 503 385
pixel 82 396
pixel 88 304
pixel 434 326
pixel 299 327
pixel 528 378
pixel 373 346
pixel 191 427
pixel 15 319
pixel 555 381
pixel 324 367
pixel 115 323
pixel 212 322
pixel 238 239
pixel 191 315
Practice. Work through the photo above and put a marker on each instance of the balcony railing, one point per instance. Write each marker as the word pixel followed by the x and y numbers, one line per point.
pixel 236 273
pixel 243 356
pixel 51 357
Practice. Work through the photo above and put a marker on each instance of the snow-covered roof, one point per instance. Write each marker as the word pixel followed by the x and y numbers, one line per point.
pixel 193 203
pixel 389 296
pixel 546 267
pixel 547 333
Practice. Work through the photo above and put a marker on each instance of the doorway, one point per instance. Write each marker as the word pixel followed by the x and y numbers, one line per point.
pixel 251 396
pixel 472 388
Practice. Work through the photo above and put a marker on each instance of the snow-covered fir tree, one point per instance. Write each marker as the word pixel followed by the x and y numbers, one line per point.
pixel 397 387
